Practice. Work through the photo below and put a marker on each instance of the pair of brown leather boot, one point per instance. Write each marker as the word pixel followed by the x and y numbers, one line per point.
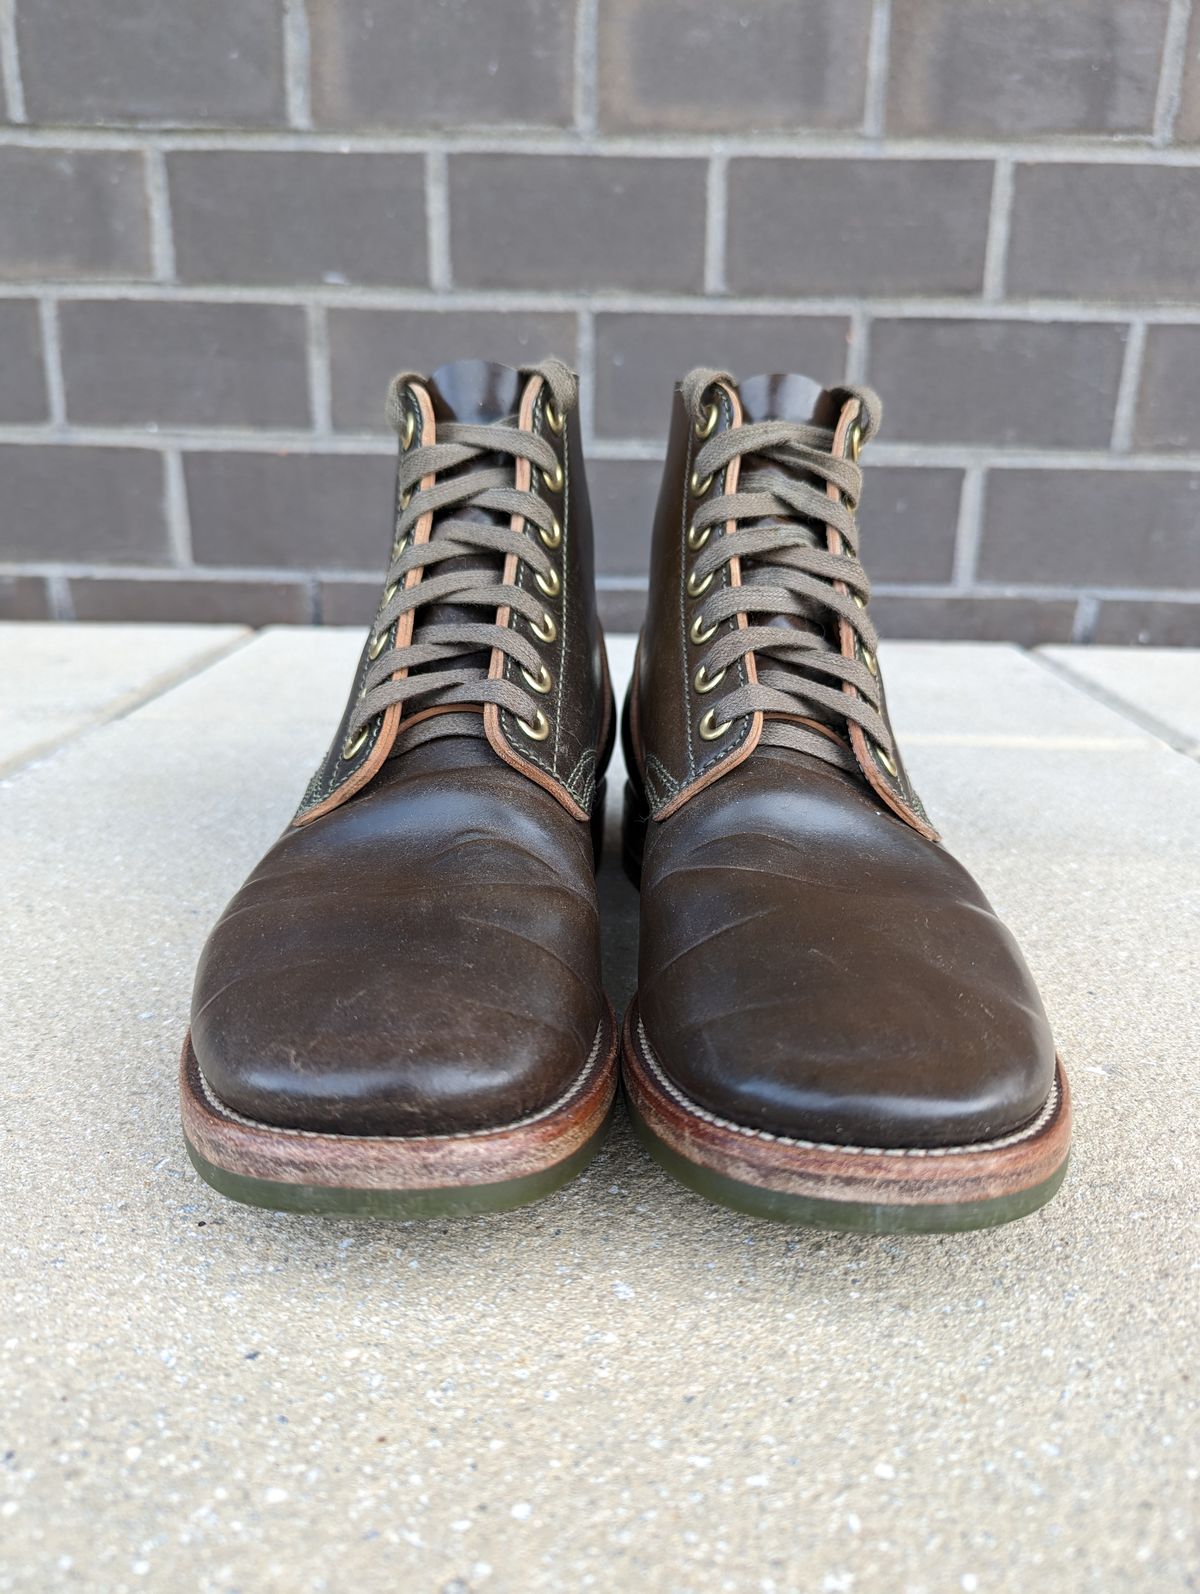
pixel 401 1011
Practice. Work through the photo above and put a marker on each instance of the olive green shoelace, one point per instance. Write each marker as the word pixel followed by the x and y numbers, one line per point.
pixel 462 567
pixel 779 511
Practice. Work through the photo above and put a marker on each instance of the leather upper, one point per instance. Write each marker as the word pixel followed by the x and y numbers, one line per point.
pixel 419 952
pixel 813 963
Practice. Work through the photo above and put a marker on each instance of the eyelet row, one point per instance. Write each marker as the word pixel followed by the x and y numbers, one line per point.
pixel 868 658
pixel 550 586
pixel 709 728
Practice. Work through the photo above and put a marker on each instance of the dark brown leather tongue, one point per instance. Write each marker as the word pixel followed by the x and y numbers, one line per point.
pixel 475 392
pixel 787 397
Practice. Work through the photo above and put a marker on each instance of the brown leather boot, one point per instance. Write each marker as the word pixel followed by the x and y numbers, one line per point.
pixel 401 1010
pixel 831 1024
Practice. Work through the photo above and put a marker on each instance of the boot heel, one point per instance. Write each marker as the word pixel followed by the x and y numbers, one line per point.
pixel 633 834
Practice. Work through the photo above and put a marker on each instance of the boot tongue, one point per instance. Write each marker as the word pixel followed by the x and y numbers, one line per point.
pixel 787 396
pixel 475 392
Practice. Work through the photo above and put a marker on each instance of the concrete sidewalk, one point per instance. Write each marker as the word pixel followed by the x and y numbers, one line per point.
pixel 622 1388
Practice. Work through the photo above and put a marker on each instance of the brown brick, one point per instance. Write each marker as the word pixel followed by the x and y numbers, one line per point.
pixel 1100 528
pixel 1168 407
pixel 577 221
pixel 689 65
pixel 623 495
pixel 909 523
pixel 83 505
pixel 175 364
pixel 1124 621
pixel 857 226
pixel 368 347
pixel 454 64
pixel 291 216
pixel 1099 232
pixel 22 379
pixel 955 617
pixel 195 601
pixel 639 358
pixel 167 61
pixel 331 511
pixel 24 598
pixel 1044 385
pixel 348 602
pixel 73 213
pixel 1021 67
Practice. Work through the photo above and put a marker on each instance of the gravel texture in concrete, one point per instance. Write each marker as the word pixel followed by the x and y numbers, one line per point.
pixel 622 1388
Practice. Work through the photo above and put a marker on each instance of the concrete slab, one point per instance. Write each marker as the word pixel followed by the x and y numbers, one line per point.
pixel 59 679
pixel 623 1387
pixel 1159 686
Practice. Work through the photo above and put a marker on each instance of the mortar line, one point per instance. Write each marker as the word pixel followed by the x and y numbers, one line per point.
pixel 609 581
pixel 568 301
pixel 1128 387
pixel 969 530
pixel 320 402
pixel 10 62
pixel 995 260
pixel 58 596
pixel 1087 613
pixel 158 194
pixel 52 359
pixel 858 346
pixel 715 213
pixel 878 54
pixel 1170 76
pixel 175 501
pixel 585 64
pixel 437 218
pixel 585 354
pixel 297 64
pixel 1099 149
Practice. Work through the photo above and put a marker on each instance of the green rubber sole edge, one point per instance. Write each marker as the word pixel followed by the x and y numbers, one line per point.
pixel 853 1217
pixel 458 1201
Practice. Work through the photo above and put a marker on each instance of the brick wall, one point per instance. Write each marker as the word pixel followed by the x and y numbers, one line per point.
pixel 223 225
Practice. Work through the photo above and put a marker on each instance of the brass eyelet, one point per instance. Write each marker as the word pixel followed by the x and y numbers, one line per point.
pixel 390 591
pixel 696 588
pixel 861 601
pixel 539 730
pixel 698 535
pixel 542 681
pixel 545 630
pixel 554 482
pixel 406 498
pixel 703 682
pixel 355 744
pixel 855 442
pixel 869 660
pixel 697 631
pixel 550 585
pixel 553 537
pixel 410 429
pixel 886 761
pixel 701 485
pixel 377 645
pixel 554 420
pixel 709 729
pixel 707 420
